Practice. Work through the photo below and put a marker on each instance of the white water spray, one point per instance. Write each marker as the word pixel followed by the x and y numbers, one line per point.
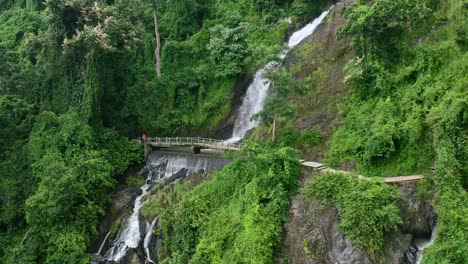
pixel 259 89
pixel 299 35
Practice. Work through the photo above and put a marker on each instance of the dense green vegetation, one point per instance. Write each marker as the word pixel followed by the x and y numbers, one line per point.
pixel 98 57
pixel 55 184
pixel 77 78
pixel 236 216
pixel 368 208
pixel 409 105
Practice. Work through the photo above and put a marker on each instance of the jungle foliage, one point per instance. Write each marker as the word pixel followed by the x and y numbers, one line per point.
pixel 75 75
pixel 408 105
pixel 98 57
pixel 55 186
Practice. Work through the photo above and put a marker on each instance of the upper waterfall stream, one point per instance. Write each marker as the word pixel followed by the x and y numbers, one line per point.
pixel 259 88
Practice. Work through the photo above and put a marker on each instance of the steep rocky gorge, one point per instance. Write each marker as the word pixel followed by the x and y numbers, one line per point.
pixel 311 233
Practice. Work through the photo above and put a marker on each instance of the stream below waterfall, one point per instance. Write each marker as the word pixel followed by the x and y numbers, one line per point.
pixel 136 232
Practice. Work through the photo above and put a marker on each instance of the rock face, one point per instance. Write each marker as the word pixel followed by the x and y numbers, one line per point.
pixel 122 201
pixel 320 59
pixel 311 234
pixel 418 215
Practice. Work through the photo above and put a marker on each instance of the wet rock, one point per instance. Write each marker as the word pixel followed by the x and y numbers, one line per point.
pixel 340 248
pixel 418 215
pixel 311 236
pixel 122 201
pixel 155 244
pixel 411 255
pixel 133 256
pixel 396 248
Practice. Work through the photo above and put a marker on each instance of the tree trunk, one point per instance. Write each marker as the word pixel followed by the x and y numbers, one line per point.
pixel 274 128
pixel 158 44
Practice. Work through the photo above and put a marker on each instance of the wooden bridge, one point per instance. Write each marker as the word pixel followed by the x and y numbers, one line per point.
pixel 396 180
pixel 197 143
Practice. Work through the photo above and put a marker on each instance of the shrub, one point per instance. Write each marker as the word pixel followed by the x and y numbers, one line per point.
pixel 368 208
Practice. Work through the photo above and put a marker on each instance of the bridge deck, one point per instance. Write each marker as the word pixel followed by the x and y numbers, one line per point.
pixel 208 143
pixel 398 179
pixel 403 178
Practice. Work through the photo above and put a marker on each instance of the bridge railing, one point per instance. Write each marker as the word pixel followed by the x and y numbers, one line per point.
pixel 194 140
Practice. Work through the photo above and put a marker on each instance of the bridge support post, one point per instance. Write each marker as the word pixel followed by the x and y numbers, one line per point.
pixel 147 149
pixel 196 150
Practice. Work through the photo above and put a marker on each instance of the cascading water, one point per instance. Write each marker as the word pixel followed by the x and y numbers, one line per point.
pixel 159 166
pixel 259 89
pixel 147 240
pixel 103 243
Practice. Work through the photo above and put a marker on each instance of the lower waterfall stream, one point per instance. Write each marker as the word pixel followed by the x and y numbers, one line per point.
pixel 135 231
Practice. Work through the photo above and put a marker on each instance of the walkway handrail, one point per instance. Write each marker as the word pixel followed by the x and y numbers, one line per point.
pixel 194 140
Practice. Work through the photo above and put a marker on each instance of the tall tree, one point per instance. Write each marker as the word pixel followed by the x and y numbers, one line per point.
pixel 157 51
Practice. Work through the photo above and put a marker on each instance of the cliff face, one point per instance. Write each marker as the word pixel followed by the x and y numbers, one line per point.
pixel 319 61
pixel 311 233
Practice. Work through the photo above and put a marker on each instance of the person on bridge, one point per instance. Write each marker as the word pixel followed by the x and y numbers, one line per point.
pixel 144 138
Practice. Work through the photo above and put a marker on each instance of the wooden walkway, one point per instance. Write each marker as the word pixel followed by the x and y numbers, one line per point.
pixel 398 179
pixel 197 143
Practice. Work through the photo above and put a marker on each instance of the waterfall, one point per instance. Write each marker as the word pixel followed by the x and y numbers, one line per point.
pixel 299 35
pixel 259 89
pixel 252 103
pixel 159 166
